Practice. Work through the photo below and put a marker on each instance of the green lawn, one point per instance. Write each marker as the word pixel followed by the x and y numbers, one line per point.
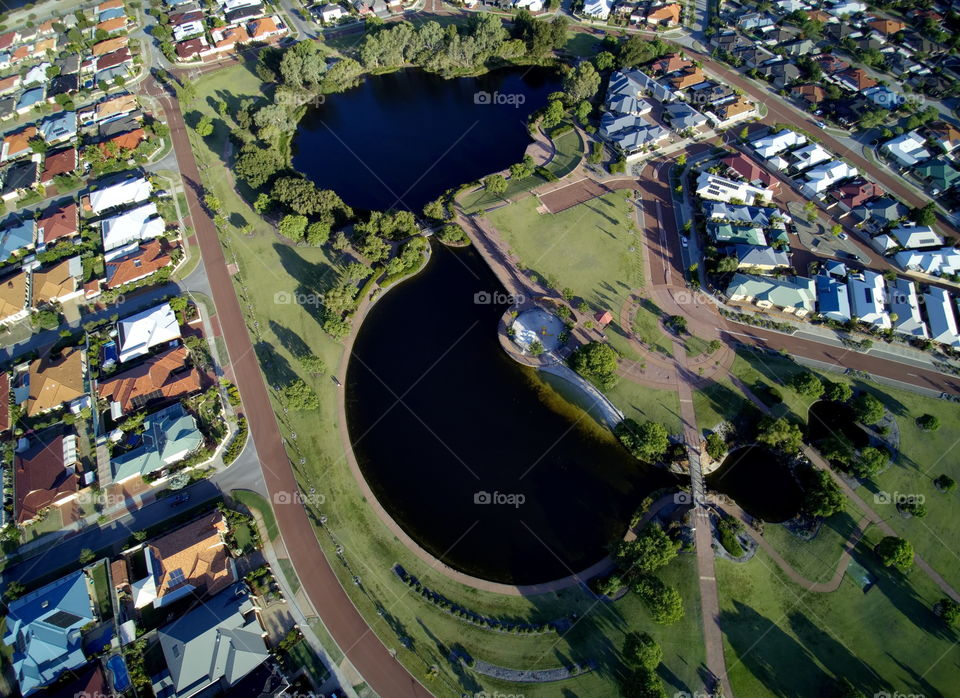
pixel 695 346
pixel 286 567
pixel 268 266
pixel 254 502
pixel 583 45
pixel 642 403
pixel 101 587
pixel 303 656
pixel 569 151
pixel 646 325
pixel 783 641
pixel 586 248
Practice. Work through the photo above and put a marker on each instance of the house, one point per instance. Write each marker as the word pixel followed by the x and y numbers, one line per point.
pixel 13 298
pixel 855 79
pixel 750 171
pixel 755 21
pixel 867 295
pixel 165 376
pixel 69 64
pixel 62 85
pixel 710 186
pixel 810 94
pixel 880 213
pixel 808 156
pixel 664 15
pixel 169 436
pixel 753 56
pixel 737 108
pixel 111 109
pixel 228 37
pixel 939 174
pixel 8 39
pixel 728 234
pixel 831 64
pixel 942 316
pixel 56 381
pixel 266 28
pixel 845 8
pixel 112 26
pixel 9 83
pixel 760 258
pixel 134 261
pixel 57 223
pixel 597 9
pixel 137 224
pixel 682 116
pixel 820 178
pixel 686 78
pixel 245 12
pixel 60 162
pixel 780 73
pixel 633 141
pixel 102 48
pixel 942 261
pixel 123 141
pixel 832 300
pixel 794 295
pixel 853 194
pixel 216 644
pixel 19 177
pixel 775 143
pixel 912 237
pixel 59 127
pixel 944 133
pixel 129 122
pixel 8 107
pixel 188 16
pixel 139 333
pixel 905 305
pixel 746 215
pixel 57 283
pixel 15 235
pixel 44 475
pixel 191 560
pixel 126 192
pixel 709 93
pixel 883 97
pixel 187 30
pixel 191 49
pixel 43 629
pixel 29 99
pixel 17 143
pixel 331 13
pixel 121 60
pixel 796 47
pixel 670 63
pixel 112 13
pixel 886 27
pixel 37 75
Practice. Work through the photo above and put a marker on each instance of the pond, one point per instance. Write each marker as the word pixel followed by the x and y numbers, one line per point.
pixel 829 418
pixel 479 461
pixel 760 482
pixel 401 139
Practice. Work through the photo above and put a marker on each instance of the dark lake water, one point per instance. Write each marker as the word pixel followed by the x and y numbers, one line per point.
pixel 439 415
pixel 759 482
pixel 829 418
pixel 400 140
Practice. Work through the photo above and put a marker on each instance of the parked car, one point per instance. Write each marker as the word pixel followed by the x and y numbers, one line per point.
pixel 843 236
pixel 683 241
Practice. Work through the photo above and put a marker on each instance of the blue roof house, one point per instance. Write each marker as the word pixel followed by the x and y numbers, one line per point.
pixel 15 236
pixel 59 127
pixel 112 13
pixel 43 628
pixel 29 99
pixel 169 436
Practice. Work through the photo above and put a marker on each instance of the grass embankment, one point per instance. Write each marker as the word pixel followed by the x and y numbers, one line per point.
pixel 268 266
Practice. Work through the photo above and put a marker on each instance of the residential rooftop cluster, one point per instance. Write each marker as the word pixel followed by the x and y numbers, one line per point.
pixel 193 31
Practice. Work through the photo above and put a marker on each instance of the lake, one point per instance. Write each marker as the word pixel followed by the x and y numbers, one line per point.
pixel 481 463
pixel 760 482
pixel 401 139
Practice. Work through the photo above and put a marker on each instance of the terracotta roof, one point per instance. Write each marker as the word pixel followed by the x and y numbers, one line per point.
pixel 19 141
pixel 52 283
pixel 109 5
pixel 262 27
pixel 887 26
pixel 149 257
pixel 112 25
pixel 665 12
pixel 110 45
pixel 9 82
pixel 670 63
pixel 44 45
pixel 119 573
pixel 232 36
pixel 13 294
pixel 126 141
pixel 740 105
pixel 58 163
pixel 165 375
pixel 121 104
pixel 198 551
pixel 6 40
pixel 945 131
pixel 830 64
pixel 819 16
pixel 814 94
pixel 857 193
pixel 40 478
pixel 21 53
pixel 749 170
pixel 691 76
pixel 4 401
pixel 47 27
pixel 858 77
pixel 55 381
pixel 59 223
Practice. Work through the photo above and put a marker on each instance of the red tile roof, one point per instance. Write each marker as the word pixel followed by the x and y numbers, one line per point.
pixel 750 171
pixel 857 77
pixel 58 223
pixel 148 258
pixel 6 40
pixel 40 478
pixel 191 47
pixel 856 193
pixel 126 141
pixel 58 163
pixel 114 59
pixel 164 376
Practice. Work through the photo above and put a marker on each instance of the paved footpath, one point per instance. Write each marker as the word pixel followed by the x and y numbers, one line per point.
pixel 379 668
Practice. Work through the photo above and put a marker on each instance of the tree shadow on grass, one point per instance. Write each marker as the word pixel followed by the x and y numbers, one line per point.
pixel 290 340
pixel 275 368
pixel 452 655
pixel 834 655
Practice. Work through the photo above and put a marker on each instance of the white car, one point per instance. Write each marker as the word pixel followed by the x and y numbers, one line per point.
pixel 683 241
pixel 843 236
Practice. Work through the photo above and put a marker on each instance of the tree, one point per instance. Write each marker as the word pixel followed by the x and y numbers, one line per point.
pixel 895 552
pixel 256 165
pixel 204 126
pixel 945 483
pixel 317 233
pixel 373 248
pixel 596 362
pixel 807 384
pixel 665 603
pixel 262 203
pixel 86 555
pixel 837 392
pixel 928 422
pixel 871 461
pixel 313 364
pixel 13 591
pixel 495 184
pixel 822 496
pixel 868 409
pixel 581 83
pixel 300 397
pixel 647 553
pixel 604 61
pixel 642 683
pixel 636 50
pixel 553 114
pixel 303 65
pixel 519 170
pixel 716 446
pixel 948 610
pixel 780 434
pixel 355 271
pixel 293 227
pixel 437 211
pixel 924 215
pixel 641 650
pixel 647 441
